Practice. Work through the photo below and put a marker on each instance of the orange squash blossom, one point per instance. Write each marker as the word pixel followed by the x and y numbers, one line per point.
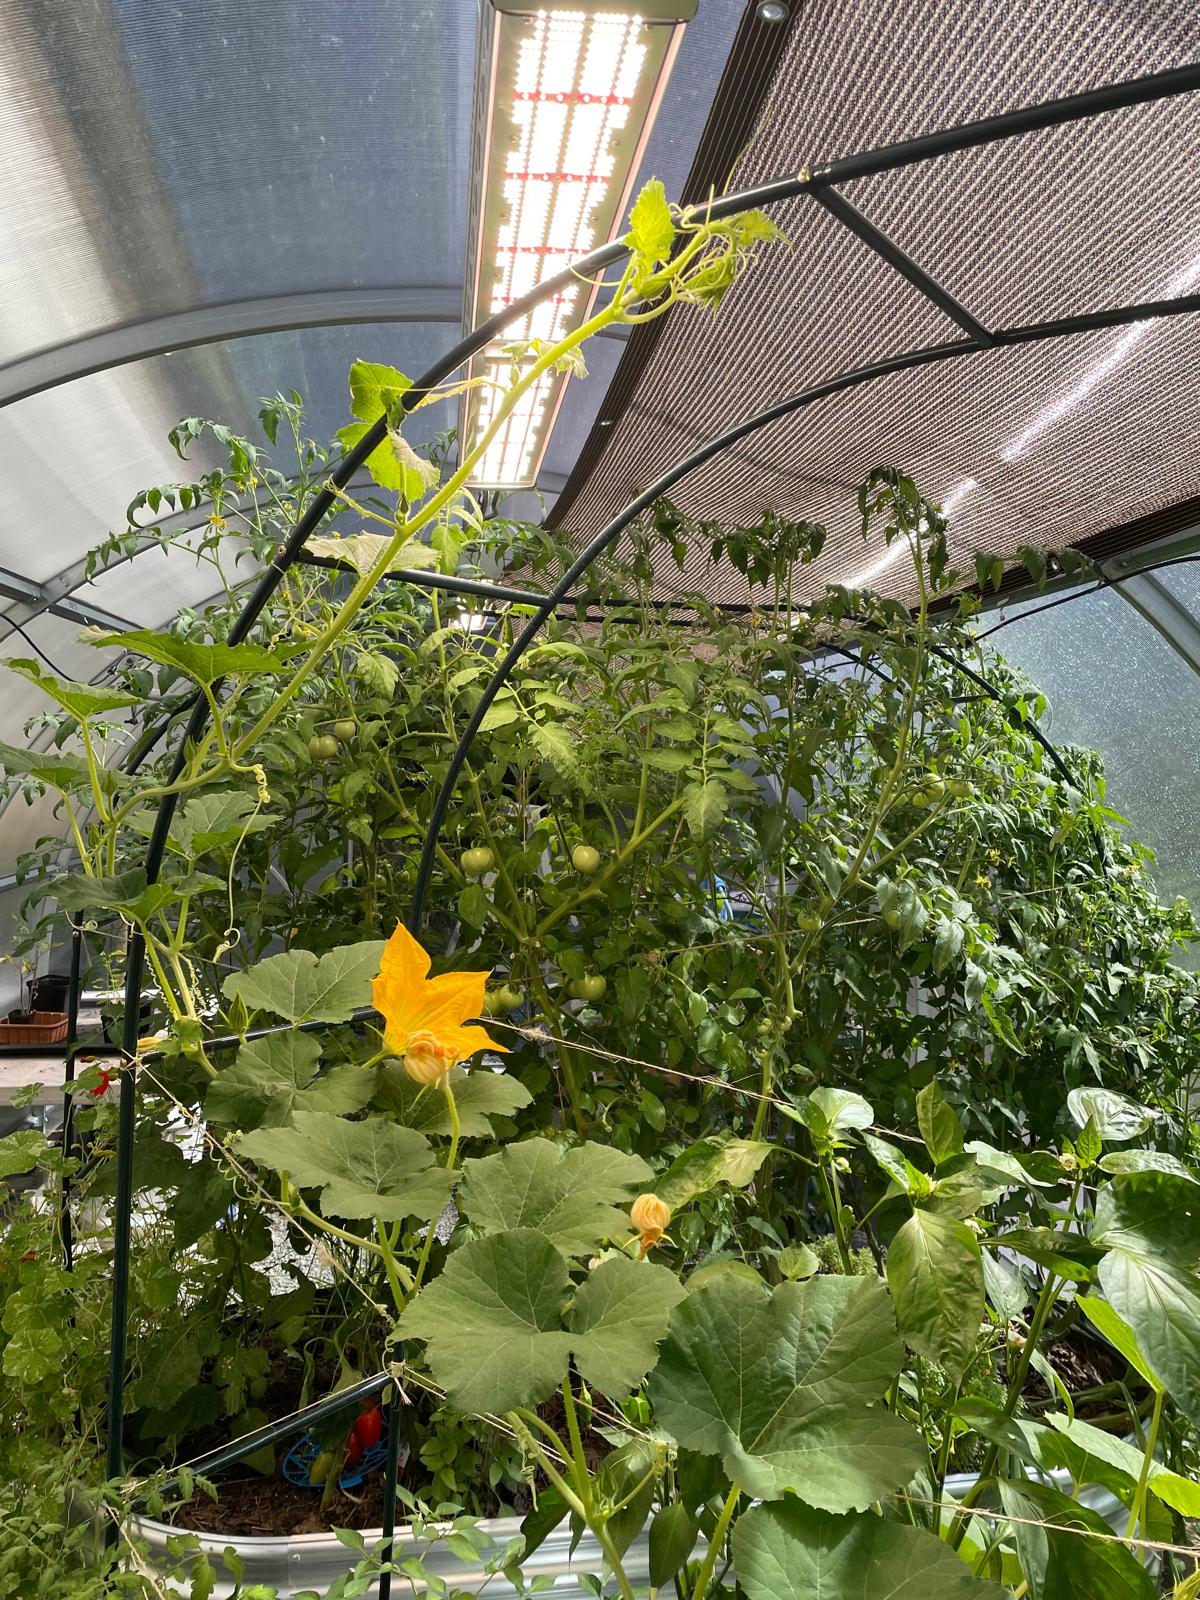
pixel 425 1018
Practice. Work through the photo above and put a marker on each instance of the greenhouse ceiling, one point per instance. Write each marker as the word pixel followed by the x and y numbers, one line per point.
pixel 182 243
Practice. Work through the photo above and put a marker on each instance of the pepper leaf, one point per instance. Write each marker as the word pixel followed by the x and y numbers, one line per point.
pixel 1115 1116
pixel 936 1277
pixel 1058 1563
pixel 704 1165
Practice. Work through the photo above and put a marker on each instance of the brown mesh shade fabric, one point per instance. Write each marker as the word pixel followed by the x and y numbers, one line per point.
pixel 1044 444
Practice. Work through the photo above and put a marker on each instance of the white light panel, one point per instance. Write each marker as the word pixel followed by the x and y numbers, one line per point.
pixel 573 95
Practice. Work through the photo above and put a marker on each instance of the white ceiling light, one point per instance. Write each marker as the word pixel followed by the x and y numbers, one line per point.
pixel 567 96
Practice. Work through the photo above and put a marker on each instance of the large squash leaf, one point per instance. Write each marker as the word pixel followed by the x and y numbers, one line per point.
pixel 306 988
pixel 363 1169
pixel 571 1196
pixel 478 1097
pixel 273 1077
pixel 498 1336
pixel 780 1384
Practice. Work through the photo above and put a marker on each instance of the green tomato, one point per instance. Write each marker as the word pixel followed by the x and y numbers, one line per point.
pixel 808 921
pixel 590 987
pixel 585 858
pixel 930 792
pixel 892 917
pixel 497 1001
pixel 959 788
pixel 345 730
pixel 476 861
pixel 323 747
pixel 764 1028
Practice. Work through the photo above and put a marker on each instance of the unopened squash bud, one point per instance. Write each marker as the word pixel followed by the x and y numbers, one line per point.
pixel 427 1060
pixel 649 1216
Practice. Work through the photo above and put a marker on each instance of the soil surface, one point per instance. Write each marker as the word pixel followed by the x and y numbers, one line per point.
pixel 1082 1365
pixel 258 1505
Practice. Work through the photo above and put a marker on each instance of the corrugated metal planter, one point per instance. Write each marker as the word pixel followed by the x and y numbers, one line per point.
pixel 314 1560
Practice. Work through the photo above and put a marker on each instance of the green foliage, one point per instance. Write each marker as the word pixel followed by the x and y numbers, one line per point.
pixel 363 1169
pixel 304 987
pixel 570 1195
pixel 781 1385
pixel 788 1551
pixel 757 922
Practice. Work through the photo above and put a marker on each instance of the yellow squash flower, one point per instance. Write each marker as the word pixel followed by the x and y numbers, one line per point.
pixel 424 1018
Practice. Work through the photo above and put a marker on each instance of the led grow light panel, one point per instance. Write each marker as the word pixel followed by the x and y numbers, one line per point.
pixel 571 96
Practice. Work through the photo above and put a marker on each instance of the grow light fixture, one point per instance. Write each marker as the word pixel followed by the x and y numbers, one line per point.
pixel 567 94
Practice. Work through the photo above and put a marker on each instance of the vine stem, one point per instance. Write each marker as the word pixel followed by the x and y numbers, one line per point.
pixel 1137 1509
pixel 716 1543
pixel 412 525
pixel 1042 1310
pixel 455 1129
pixel 829 1187
pixel 575 1495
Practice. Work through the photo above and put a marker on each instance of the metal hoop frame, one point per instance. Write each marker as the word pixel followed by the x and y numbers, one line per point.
pixel 820 183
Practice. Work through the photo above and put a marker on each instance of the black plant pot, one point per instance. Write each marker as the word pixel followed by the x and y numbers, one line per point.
pixel 49 992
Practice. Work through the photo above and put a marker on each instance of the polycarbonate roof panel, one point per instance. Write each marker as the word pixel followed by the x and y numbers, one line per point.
pixel 158 157
pixel 63 653
pixel 151 589
pixel 1058 440
pixel 72 458
pixel 1134 717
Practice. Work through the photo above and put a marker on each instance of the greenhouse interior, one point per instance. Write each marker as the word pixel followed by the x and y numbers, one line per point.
pixel 599 931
